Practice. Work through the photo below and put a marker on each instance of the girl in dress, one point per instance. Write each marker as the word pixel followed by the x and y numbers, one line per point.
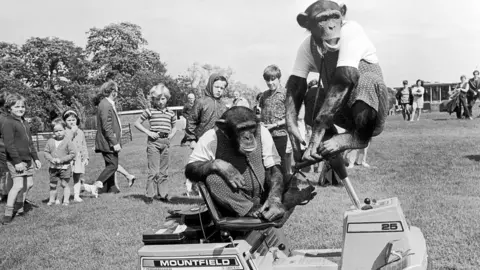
pixel 81 159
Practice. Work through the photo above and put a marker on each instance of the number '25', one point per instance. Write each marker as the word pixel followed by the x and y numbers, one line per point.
pixel 389 227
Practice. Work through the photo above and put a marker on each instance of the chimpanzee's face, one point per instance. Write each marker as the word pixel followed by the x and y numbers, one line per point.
pixel 240 125
pixel 246 140
pixel 324 20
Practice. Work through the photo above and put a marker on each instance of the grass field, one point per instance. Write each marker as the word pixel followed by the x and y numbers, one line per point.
pixel 432 166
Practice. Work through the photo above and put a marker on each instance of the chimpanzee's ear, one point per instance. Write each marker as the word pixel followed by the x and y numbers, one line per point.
pixel 302 19
pixel 343 9
pixel 221 124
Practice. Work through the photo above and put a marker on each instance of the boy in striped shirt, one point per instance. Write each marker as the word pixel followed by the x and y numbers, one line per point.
pixel 161 131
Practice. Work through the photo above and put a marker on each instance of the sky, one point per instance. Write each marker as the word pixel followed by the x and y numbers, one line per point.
pixel 415 39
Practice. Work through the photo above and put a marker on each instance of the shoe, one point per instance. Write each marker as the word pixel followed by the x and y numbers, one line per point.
pixel 77 199
pixel 57 202
pixel 166 198
pixel 114 190
pixel 148 200
pixel 6 220
pixel 30 204
pixel 66 203
pixel 50 203
pixel 131 180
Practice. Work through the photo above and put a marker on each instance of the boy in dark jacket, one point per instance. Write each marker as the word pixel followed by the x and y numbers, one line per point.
pixel 206 110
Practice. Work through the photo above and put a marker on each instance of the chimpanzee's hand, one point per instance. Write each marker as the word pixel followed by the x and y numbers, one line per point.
pixel 311 153
pixel 272 209
pixel 229 174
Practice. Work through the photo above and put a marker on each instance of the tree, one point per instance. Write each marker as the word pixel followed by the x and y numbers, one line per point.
pixel 117 52
pixel 51 63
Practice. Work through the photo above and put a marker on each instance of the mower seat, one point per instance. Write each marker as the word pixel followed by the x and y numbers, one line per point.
pixel 232 223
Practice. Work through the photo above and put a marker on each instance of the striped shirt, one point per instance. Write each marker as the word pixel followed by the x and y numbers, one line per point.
pixel 160 120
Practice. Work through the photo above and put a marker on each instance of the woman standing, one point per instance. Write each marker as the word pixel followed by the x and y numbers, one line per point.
pixel 462 98
pixel 417 91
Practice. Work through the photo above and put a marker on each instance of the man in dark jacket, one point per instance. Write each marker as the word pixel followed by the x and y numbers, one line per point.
pixel 108 137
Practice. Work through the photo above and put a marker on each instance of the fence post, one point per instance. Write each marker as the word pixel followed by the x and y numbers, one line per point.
pixel 38 145
pixel 130 130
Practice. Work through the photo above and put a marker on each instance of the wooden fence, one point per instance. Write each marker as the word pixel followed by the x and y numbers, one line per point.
pixel 40 139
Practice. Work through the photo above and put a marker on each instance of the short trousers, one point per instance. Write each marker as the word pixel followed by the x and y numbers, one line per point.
pixel 30 165
pixel 59 174
pixel 418 104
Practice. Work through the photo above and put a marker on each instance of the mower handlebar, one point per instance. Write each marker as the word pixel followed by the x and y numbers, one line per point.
pixel 346 182
pixel 305 163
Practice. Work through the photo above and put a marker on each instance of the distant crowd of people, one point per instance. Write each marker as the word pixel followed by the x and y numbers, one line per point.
pixel 461 100
pixel 464 95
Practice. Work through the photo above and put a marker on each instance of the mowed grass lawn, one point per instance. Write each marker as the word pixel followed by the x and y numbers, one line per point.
pixel 432 166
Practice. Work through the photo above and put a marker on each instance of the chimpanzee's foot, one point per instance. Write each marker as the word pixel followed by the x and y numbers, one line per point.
pixel 294 196
pixel 340 143
pixel 331 147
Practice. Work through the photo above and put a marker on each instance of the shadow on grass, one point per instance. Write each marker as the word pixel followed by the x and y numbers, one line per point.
pixel 138 197
pixel 442 119
pixel 473 157
pixel 185 200
pixel 173 199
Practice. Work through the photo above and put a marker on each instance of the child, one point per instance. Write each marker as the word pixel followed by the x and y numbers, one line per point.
pixel 162 129
pixel 272 105
pixel 20 153
pixel 59 151
pixel 81 158
pixel 207 110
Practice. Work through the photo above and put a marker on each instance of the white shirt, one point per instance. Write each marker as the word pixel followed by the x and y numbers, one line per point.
pixel 115 110
pixel 418 92
pixel 354 47
pixel 207 147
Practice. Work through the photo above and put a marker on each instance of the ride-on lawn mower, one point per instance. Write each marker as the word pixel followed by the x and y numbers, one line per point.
pixel 375 236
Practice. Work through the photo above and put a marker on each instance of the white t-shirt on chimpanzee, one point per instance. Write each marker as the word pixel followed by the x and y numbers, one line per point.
pixel 354 47
pixel 207 147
